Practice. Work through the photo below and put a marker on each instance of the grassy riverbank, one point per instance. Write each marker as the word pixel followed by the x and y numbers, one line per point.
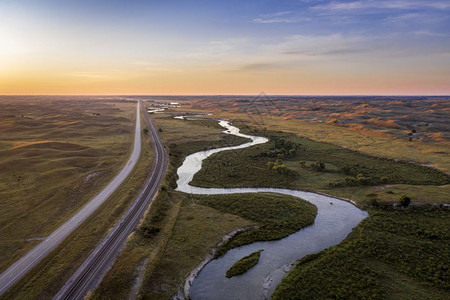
pixel 278 215
pixel 401 254
pixel 198 228
pixel 201 223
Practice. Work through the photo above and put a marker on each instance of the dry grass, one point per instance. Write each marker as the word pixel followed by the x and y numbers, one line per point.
pixel 44 281
pixel 197 230
pixel 54 156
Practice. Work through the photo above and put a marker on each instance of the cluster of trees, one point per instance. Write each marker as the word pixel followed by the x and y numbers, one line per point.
pixel 349 170
pixel 282 148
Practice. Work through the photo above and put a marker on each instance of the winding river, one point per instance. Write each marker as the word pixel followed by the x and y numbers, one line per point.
pixel 334 221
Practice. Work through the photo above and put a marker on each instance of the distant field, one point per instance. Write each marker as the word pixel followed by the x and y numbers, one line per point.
pixel 419 118
pixel 408 128
pixel 55 154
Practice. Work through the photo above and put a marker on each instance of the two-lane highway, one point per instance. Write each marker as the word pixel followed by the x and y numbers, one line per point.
pixel 32 258
pixel 91 272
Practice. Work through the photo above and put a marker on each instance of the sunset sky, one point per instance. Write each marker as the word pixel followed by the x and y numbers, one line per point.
pixel 224 47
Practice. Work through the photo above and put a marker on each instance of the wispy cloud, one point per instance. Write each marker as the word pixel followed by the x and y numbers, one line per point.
pixel 324 45
pixel 382 4
pixel 279 17
pixel 406 17
pixel 274 20
pixel 279 14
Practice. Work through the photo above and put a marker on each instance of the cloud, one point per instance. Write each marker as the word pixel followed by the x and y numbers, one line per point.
pixel 279 17
pixel 333 52
pixel 382 4
pixel 358 47
pixel 406 17
pixel 276 20
pixel 324 45
pixel 279 14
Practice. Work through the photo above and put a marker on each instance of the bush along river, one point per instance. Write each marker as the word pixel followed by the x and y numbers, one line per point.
pixel 334 221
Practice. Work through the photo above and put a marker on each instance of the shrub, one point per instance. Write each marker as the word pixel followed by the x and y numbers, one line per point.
pixel 405 200
pixel 149 230
pixel 280 169
pixel 318 166
pixel 384 179
pixel 270 165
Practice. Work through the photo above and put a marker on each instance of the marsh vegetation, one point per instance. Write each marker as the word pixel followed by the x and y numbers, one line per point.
pixel 244 264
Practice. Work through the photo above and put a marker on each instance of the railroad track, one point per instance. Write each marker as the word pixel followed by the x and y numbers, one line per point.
pixel 32 258
pixel 91 272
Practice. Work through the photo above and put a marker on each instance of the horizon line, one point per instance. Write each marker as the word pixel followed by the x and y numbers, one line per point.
pixel 221 95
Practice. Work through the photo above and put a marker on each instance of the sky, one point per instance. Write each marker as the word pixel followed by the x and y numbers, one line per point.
pixel 168 47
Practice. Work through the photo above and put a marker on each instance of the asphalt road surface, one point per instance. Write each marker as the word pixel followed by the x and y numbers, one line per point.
pixel 94 268
pixel 32 258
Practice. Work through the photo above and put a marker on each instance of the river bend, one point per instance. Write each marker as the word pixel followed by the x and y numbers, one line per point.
pixel 334 221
